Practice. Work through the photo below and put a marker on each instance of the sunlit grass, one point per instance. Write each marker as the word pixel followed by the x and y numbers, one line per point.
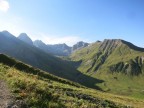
pixel 41 92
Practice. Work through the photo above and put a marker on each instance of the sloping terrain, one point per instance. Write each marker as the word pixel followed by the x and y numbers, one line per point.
pixel 118 63
pixel 5 96
pixel 29 54
pixel 40 89
pixel 112 55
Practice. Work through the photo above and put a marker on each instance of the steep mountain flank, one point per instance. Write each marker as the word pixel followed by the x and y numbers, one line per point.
pixel 112 55
pixel 118 63
pixel 29 54
pixel 38 58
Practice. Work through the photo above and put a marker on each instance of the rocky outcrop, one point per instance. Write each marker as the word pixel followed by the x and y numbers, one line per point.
pixel 132 67
pixel 109 44
pixel 105 49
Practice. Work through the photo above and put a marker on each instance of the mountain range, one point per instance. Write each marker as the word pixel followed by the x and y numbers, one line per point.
pixel 59 49
pixel 113 65
pixel 56 49
pixel 39 58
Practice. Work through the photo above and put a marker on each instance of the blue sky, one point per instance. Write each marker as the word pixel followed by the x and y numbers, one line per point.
pixel 69 21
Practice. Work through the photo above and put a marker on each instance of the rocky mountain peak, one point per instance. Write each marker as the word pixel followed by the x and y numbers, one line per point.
pixel 24 37
pixel 6 33
pixel 39 42
pixel 79 45
pixel 110 44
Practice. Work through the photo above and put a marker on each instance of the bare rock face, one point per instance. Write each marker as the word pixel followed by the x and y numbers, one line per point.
pixel 132 67
pixel 105 49
pixel 110 44
pixel 79 45
pixel 24 37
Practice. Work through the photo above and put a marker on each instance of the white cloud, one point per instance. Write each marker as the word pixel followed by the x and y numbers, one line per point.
pixel 4 5
pixel 49 39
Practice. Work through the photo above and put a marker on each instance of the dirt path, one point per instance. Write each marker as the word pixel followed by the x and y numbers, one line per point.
pixel 5 96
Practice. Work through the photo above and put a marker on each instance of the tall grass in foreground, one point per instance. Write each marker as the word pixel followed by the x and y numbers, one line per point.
pixel 40 92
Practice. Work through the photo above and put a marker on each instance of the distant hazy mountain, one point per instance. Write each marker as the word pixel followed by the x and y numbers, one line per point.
pixel 41 45
pixel 79 45
pixel 24 37
pixel 7 34
pixel 57 49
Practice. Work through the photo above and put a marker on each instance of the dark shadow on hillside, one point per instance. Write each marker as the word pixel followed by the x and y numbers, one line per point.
pixel 89 81
pixel 132 46
pixel 84 79
pixel 74 64
pixel 79 78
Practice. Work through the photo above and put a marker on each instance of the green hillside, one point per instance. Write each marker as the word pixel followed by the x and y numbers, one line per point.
pixel 29 54
pixel 40 89
pixel 118 63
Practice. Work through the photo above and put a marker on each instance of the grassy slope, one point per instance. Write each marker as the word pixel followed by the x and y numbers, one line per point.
pixel 85 55
pixel 41 90
pixel 114 83
pixel 31 55
pixel 35 57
